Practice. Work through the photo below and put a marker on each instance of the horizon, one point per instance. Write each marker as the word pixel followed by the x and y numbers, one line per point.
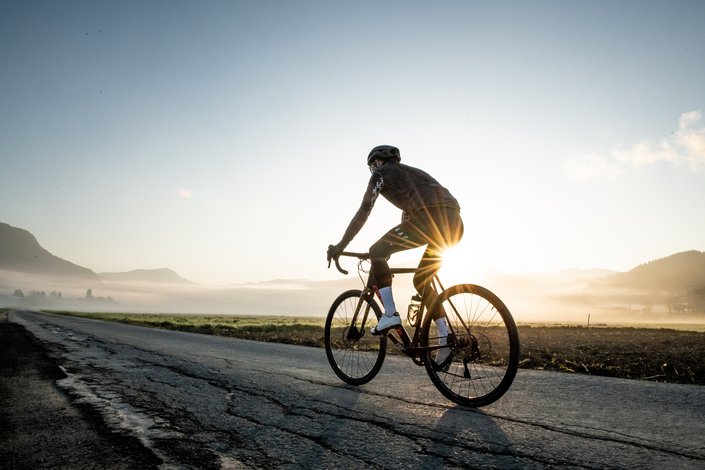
pixel 569 297
pixel 450 269
pixel 225 141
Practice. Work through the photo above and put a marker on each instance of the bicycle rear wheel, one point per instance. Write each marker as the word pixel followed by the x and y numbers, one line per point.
pixel 484 342
pixel 354 354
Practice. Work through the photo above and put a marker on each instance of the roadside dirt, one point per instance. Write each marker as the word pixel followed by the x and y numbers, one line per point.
pixel 41 426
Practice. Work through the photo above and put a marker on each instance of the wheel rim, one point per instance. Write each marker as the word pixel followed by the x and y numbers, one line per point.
pixel 354 353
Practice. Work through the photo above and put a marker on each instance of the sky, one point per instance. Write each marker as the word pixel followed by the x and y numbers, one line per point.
pixel 227 140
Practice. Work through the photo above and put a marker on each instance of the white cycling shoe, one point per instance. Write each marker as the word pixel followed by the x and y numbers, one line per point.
pixel 385 323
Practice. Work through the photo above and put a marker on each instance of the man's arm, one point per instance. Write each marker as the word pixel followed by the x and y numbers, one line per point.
pixel 374 187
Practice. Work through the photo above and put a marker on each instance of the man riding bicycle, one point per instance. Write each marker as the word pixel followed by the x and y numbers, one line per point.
pixel 430 216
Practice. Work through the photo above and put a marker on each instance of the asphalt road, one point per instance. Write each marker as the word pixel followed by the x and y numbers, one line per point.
pixel 198 401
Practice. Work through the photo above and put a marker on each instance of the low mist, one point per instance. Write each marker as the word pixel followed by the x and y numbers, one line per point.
pixel 531 299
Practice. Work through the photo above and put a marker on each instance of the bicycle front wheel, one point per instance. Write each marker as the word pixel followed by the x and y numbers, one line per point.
pixel 484 346
pixel 354 354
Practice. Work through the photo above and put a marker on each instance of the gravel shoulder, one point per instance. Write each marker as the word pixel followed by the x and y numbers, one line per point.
pixel 42 427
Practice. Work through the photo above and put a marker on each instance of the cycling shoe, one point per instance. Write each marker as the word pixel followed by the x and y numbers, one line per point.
pixel 385 323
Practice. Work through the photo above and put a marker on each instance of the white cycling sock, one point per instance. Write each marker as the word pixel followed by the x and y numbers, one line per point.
pixel 442 328
pixel 388 300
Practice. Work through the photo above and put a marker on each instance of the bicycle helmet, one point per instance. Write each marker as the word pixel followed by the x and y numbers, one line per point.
pixel 384 152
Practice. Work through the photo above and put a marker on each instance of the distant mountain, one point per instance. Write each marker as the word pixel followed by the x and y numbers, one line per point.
pixel 163 275
pixel 20 251
pixel 676 283
pixel 679 272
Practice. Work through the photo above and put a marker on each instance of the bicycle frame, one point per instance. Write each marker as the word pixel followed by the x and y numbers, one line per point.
pixel 472 371
pixel 402 341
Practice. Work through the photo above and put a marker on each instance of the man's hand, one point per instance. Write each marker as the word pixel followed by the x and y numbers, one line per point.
pixel 333 253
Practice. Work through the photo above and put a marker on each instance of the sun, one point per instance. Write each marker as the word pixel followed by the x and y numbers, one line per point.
pixel 463 264
pixel 466 263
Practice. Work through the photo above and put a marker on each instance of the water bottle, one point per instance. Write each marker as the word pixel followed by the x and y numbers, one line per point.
pixel 413 312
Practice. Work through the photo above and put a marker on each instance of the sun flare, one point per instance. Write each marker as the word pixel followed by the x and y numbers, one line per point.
pixel 463 264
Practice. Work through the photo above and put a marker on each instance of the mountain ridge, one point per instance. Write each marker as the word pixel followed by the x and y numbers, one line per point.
pixel 20 251
pixel 164 275
pixel 680 271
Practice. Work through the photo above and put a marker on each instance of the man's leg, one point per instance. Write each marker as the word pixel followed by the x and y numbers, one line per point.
pixel 398 239
pixel 428 267
pixel 445 229
pixel 430 264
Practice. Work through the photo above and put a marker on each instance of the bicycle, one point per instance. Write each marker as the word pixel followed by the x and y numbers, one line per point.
pixel 483 338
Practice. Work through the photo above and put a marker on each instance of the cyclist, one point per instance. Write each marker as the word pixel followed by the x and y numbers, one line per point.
pixel 430 216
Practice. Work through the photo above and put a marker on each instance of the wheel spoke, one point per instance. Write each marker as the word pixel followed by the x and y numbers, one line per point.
pixel 485 346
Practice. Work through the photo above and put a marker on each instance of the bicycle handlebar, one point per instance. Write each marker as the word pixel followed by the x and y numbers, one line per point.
pixel 363 256
pixel 347 253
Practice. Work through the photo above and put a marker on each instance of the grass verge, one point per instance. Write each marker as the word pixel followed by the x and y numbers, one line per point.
pixel 663 355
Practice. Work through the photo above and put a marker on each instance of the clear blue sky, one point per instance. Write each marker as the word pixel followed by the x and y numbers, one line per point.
pixel 226 140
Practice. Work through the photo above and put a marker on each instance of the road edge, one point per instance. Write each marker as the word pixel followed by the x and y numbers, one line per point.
pixel 43 426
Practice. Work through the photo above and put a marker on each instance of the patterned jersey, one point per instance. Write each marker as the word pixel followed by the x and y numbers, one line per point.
pixel 408 188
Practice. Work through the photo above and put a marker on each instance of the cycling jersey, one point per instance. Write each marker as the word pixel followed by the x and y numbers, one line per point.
pixel 406 187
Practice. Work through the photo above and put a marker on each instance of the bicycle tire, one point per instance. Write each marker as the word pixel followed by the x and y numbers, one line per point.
pixel 358 359
pixel 486 346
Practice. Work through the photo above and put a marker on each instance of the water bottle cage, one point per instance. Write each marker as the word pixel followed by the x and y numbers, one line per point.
pixel 413 314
